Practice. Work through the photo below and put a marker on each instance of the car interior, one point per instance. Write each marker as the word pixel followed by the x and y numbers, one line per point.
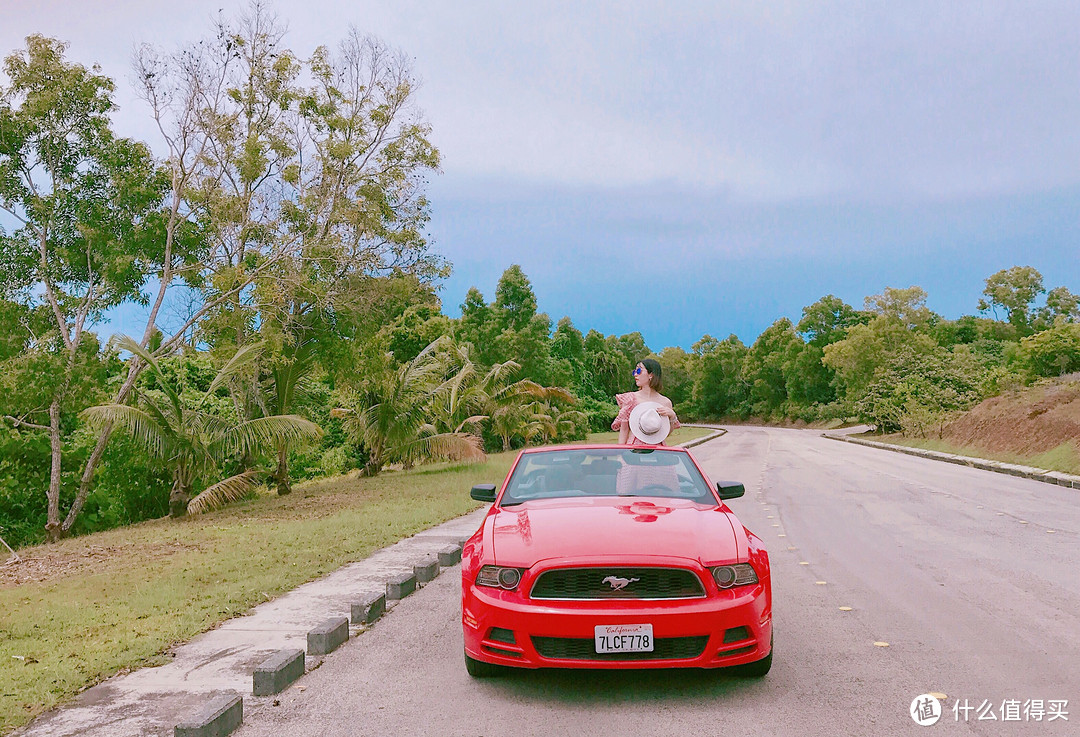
pixel 620 473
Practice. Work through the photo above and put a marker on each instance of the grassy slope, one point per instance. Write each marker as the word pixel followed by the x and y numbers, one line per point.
pixel 118 600
pixel 1036 426
pixel 1064 457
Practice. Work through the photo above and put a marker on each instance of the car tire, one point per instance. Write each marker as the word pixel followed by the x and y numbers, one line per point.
pixel 480 669
pixel 757 669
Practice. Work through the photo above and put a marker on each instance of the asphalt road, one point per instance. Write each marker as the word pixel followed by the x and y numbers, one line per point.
pixel 954 568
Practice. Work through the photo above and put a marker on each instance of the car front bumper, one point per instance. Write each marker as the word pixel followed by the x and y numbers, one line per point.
pixel 725 628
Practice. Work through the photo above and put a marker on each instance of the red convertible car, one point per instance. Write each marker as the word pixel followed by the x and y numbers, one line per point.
pixel 611 556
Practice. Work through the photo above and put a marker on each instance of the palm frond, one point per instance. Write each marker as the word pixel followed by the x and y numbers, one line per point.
pixel 261 433
pixel 129 344
pixel 559 394
pixel 223 492
pixel 474 420
pixel 451 446
pixel 141 426
pixel 244 357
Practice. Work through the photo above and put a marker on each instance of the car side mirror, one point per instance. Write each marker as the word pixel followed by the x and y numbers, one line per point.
pixel 483 492
pixel 730 489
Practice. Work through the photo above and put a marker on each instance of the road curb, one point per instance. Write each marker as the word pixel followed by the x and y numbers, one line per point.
pixel 450 555
pixel 427 569
pixel 1011 469
pixel 368 607
pixel 400 586
pixel 223 714
pixel 702 440
pixel 328 636
pixel 276 672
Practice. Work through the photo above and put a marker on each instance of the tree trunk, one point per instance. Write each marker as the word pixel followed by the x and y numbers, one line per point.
pixel 282 473
pixel 52 524
pixel 179 497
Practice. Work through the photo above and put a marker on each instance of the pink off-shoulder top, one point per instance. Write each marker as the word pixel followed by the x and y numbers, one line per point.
pixel 627 402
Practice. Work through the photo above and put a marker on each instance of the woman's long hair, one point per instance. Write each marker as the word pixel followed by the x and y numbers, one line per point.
pixel 653 367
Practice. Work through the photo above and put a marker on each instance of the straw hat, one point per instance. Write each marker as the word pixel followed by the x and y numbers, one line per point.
pixel 648 425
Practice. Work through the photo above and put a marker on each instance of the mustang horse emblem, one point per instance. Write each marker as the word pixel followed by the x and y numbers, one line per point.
pixel 618 584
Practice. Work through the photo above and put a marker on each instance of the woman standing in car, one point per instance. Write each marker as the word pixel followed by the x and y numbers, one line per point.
pixel 648 377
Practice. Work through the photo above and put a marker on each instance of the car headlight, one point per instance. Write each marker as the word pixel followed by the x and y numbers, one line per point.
pixel 740 574
pixel 498 577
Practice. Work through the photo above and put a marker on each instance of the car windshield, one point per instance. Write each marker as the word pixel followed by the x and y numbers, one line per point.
pixel 606 472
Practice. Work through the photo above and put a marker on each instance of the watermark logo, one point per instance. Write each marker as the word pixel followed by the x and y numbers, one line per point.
pixel 925 710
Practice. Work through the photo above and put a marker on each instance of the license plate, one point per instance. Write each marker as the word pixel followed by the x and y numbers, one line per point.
pixel 624 638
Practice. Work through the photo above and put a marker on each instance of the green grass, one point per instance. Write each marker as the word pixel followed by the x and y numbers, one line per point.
pixel 1064 458
pixel 679 435
pixel 118 600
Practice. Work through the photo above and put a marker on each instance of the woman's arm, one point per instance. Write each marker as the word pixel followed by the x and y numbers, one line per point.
pixel 622 420
pixel 668 412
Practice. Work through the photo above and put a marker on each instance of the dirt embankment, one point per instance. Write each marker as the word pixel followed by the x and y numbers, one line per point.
pixel 1029 421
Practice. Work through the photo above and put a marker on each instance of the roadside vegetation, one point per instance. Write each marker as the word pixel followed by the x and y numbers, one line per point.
pixel 275 233
pixel 1035 426
pixel 85 608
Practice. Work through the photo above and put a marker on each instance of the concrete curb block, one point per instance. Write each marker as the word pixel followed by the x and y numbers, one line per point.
pixel 276 672
pixel 427 569
pixel 1027 472
pixel 400 586
pixel 223 714
pixel 701 441
pixel 450 556
pixel 369 607
pixel 328 636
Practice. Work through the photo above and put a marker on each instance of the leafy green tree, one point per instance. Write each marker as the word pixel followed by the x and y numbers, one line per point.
pixel 633 347
pixel 1014 290
pixel 530 346
pixel 807 379
pixel 1054 351
pixel 192 439
pixel 678 368
pixel 918 393
pixel 607 370
pixel 87 230
pixel 568 356
pixel 827 320
pixel 719 389
pixel 904 306
pixel 763 366
pixel 515 301
pixel 900 328
pixel 1061 304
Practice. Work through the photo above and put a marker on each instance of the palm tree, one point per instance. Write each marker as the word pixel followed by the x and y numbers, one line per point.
pixel 548 422
pixel 288 384
pixel 471 396
pixel 391 416
pixel 193 441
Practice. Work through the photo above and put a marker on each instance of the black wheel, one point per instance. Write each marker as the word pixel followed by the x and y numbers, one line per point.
pixel 480 669
pixel 757 669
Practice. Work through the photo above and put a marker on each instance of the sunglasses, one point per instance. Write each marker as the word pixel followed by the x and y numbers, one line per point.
pixel 638 371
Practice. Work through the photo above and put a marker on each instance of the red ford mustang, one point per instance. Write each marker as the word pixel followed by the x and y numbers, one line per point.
pixel 610 556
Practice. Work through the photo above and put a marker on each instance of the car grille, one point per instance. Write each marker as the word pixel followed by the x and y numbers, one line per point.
pixel 665 648
pixel 597 583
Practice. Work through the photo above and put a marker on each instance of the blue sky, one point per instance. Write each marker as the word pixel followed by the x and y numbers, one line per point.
pixel 690 168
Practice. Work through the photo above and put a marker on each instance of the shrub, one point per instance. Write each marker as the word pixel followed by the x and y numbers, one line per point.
pixel 1054 351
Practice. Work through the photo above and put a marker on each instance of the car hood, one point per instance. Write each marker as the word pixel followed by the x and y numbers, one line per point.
pixel 627 527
